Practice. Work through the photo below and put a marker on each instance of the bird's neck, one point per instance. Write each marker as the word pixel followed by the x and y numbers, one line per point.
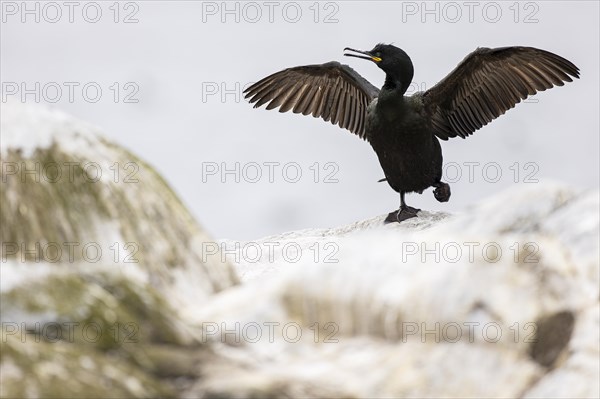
pixel 399 77
pixel 398 84
pixel 392 85
pixel 391 103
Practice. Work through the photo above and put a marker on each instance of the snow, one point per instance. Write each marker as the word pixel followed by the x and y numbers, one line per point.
pixel 27 128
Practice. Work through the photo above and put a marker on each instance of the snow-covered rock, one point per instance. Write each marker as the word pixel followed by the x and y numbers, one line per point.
pixel 71 199
pixel 501 301
pixel 101 264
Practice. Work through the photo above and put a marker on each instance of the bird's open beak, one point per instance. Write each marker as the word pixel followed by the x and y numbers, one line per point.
pixel 366 53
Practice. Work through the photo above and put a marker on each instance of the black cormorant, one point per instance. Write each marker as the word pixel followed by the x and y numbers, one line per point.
pixel 404 130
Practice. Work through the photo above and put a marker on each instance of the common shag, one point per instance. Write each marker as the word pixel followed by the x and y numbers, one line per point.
pixel 404 130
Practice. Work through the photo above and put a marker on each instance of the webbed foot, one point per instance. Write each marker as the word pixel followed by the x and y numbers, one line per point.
pixel 401 215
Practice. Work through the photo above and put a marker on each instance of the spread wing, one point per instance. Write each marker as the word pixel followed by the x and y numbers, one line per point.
pixel 331 91
pixel 487 83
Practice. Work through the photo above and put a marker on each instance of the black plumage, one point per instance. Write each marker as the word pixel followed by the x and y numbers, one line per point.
pixel 404 130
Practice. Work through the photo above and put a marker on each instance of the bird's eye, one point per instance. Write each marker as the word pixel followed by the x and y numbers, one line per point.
pixel 378 54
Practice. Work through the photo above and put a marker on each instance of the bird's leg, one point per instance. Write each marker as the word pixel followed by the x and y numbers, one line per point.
pixel 405 212
pixel 442 191
pixel 406 208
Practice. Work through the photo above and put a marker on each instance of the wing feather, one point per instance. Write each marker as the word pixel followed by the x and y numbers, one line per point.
pixel 333 92
pixel 489 82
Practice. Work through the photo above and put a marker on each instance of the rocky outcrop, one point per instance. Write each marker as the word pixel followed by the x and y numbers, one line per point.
pixel 101 264
pixel 501 301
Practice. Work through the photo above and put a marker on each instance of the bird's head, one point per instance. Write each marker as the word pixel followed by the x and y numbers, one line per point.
pixel 392 60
